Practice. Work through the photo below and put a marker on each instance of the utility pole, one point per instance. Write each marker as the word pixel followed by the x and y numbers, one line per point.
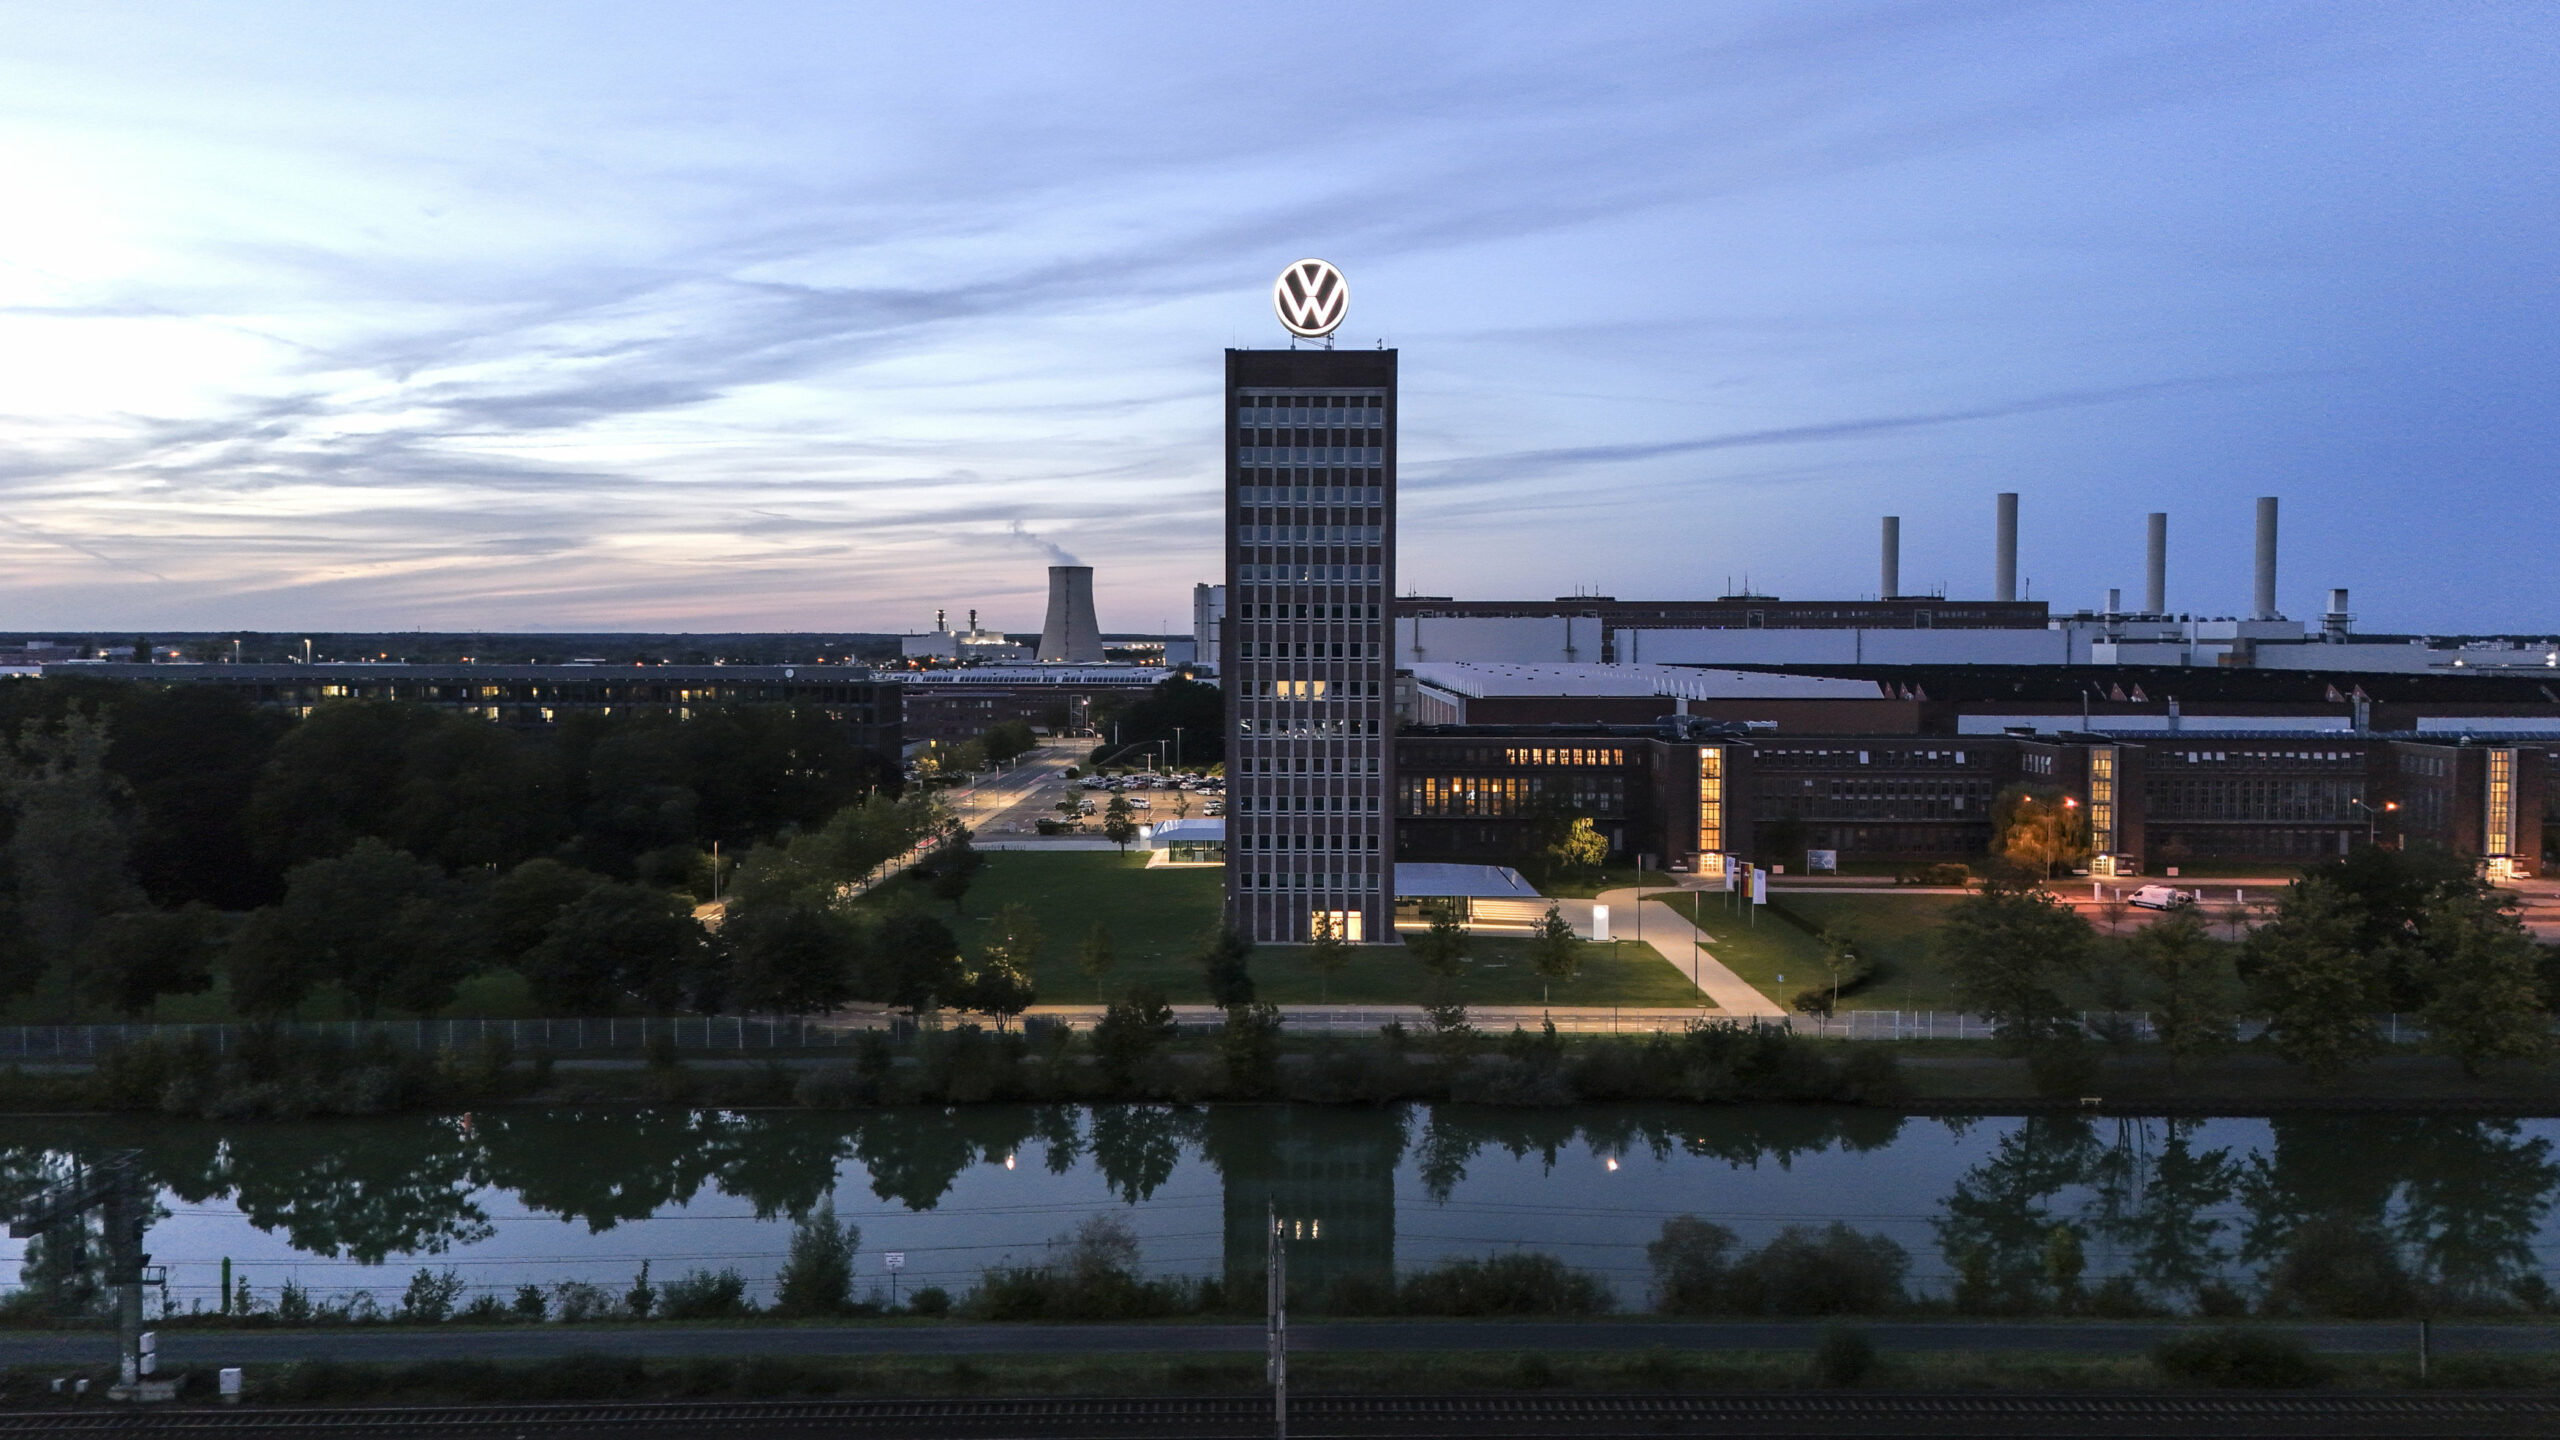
pixel 113 1187
pixel 1275 1285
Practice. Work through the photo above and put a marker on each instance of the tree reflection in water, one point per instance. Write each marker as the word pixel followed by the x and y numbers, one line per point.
pixel 2457 1202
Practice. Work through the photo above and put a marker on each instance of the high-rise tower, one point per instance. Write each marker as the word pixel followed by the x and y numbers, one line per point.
pixel 1306 652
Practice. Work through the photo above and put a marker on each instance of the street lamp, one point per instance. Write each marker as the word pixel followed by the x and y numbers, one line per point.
pixel 1177 747
pixel 2373 819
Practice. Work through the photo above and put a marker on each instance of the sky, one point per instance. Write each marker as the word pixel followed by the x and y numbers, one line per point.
pixel 751 316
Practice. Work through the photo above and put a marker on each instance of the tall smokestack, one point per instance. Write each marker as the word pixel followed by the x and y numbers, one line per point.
pixel 2267 558
pixel 2155 584
pixel 1892 558
pixel 1071 635
pixel 2004 583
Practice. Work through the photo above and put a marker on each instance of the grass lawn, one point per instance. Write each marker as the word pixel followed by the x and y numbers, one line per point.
pixel 1897 930
pixel 1156 919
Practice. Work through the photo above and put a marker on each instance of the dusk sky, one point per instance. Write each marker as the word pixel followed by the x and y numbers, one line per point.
pixel 740 316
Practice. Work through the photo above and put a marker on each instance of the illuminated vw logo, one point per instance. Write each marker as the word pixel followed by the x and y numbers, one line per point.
pixel 1312 297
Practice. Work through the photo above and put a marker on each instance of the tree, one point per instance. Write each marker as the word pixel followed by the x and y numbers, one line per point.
pixel 1328 952
pixel 1119 824
pixel 1250 1044
pixel 1555 952
pixel 129 961
pixel 2190 984
pixel 2318 990
pixel 1224 954
pixel 817 1279
pixel 1008 740
pixel 66 857
pixel 1443 948
pixel 517 910
pixel 1130 1032
pixel 2037 828
pixel 1199 709
pixel 379 923
pixel 913 962
pixel 2487 998
pixel 997 988
pixel 2006 949
pixel 1580 847
pixel 955 865
pixel 1001 985
pixel 790 958
pixel 1844 967
pixel 1095 956
pixel 620 944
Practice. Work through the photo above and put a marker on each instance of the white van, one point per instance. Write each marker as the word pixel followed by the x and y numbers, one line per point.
pixel 2161 897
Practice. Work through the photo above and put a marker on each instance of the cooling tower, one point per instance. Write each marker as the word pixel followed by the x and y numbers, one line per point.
pixel 1071 635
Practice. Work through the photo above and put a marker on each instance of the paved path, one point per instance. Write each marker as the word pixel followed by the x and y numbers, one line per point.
pixel 403 1345
pixel 1679 941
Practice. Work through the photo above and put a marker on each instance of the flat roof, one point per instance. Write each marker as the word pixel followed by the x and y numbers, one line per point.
pixel 1470 882
pixel 1477 680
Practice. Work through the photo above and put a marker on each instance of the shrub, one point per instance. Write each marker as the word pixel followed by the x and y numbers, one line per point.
pixel 1845 1357
pixel 642 1297
pixel 576 1300
pixel 817 1279
pixel 293 1304
pixel 529 1304
pixel 430 1298
pixel 490 1309
pixel 704 1295
pixel 1091 1274
pixel 931 1300
pixel 2233 1358
pixel 1516 1283
pixel 2339 1265
pixel 1801 1271
pixel 1945 873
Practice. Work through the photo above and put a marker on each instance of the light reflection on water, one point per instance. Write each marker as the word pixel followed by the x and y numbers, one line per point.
pixel 512 1197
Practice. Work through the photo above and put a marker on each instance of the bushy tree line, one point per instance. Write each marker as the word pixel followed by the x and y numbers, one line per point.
pixel 154 839
pixel 2413 931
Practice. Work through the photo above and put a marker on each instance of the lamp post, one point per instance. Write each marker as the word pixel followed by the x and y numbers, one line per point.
pixel 2373 819
pixel 1177 747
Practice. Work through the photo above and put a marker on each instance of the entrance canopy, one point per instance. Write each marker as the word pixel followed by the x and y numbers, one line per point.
pixel 1462 882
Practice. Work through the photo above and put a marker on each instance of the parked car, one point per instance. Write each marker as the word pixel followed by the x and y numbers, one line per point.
pixel 2161 897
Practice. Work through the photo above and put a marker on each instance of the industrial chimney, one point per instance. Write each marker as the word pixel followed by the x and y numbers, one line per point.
pixel 1071 634
pixel 2005 543
pixel 2155 589
pixel 2266 607
pixel 1892 558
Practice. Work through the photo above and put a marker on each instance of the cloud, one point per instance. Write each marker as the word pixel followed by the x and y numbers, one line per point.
pixel 1057 553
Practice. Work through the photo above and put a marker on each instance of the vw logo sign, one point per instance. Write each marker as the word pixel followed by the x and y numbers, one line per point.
pixel 1312 297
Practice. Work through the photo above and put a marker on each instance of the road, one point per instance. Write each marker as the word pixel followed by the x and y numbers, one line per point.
pixel 403 1345
pixel 1012 801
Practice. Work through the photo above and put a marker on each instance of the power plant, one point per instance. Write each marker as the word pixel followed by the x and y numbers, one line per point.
pixel 1071 636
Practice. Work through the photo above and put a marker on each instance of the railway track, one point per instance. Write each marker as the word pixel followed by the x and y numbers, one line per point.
pixel 1474 1417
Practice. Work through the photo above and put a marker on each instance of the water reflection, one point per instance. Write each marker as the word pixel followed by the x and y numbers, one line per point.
pixel 2005 1215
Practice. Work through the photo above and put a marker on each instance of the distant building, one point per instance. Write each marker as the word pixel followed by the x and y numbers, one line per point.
pixel 1684 795
pixel 534 695
pixel 963 704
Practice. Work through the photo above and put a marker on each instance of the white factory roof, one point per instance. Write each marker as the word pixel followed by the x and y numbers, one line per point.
pixel 1478 679
pixel 1206 831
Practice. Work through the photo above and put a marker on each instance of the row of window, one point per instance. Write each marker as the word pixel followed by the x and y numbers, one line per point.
pixel 1362 456
pixel 1896 799
pixel 1296 572
pixel 1311 494
pixel 1305 689
pixel 1325 412
pixel 2171 799
pixel 1310 534
pixel 1258 610
pixel 1307 842
pixel 1566 755
pixel 1799 757
pixel 1502 796
pixel 1306 650
pixel 2256 757
pixel 1299 765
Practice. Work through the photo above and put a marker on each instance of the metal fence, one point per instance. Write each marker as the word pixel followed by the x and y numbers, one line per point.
pixel 40 1043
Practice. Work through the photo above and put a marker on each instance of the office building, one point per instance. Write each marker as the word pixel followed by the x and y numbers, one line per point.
pixel 1311 485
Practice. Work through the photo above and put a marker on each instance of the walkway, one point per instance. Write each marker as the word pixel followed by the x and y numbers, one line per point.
pixel 1679 941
